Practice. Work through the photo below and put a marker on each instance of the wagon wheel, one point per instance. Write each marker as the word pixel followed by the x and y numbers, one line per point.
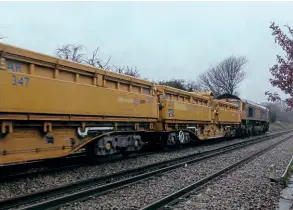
pixel 181 137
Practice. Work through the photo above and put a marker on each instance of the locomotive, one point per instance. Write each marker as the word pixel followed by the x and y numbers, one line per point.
pixel 51 108
pixel 254 117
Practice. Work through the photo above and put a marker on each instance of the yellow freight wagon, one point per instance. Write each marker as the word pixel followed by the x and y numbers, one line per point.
pixel 228 113
pixel 183 112
pixel 48 107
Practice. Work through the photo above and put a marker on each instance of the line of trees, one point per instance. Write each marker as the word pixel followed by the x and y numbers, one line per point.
pixel 224 77
pixel 77 53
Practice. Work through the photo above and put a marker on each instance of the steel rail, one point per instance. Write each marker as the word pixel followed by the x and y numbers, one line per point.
pixel 170 200
pixel 9 169
pixel 55 197
pixel 69 163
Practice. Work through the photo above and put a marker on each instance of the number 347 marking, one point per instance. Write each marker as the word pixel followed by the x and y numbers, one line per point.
pixel 22 81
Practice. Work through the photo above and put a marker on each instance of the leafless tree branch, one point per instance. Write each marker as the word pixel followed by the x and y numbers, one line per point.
pixel 181 84
pixel 193 86
pixel 225 76
pixel 96 62
pixel 131 71
pixel 2 37
pixel 119 69
pixel 71 52
pixel 76 53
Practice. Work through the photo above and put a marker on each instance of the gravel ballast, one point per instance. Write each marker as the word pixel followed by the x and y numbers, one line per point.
pixel 146 192
pixel 248 187
pixel 33 184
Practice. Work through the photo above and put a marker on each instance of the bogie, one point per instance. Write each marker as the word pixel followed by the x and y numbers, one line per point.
pixel 114 144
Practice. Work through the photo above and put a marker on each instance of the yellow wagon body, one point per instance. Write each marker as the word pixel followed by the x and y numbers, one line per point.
pixel 182 110
pixel 228 113
pixel 56 96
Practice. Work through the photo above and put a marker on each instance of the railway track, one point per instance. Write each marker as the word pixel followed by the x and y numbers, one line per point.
pixel 183 194
pixel 38 167
pixel 56 197
pixel 43 167
pixel 18 171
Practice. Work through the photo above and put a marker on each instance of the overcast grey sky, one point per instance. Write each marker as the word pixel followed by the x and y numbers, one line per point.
pixel 164 40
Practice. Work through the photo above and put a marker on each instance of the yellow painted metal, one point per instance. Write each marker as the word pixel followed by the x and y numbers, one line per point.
pixel 43 89
pixel 50 96
pixel 184 106
pixel 260 114
pixel 211 131
pixel 28 144
pixel 206 94
pixel 184 111
pixel 37 88
pixel 25 144
pixel 227 113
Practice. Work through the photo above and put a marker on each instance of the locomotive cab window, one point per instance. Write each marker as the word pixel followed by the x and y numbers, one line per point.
pixel 250 112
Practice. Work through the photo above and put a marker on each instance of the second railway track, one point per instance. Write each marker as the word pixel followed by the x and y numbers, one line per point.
pixel 56 197
pixel 172 199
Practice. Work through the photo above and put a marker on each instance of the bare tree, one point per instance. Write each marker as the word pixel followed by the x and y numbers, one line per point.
pixel 131 71
pixel 96 62
pixel 76 53
pixel 175 83
pixel 181 84
pixel 119 69
pixel 225 76
pixel 71 52
pixel 192 86
pixel 208 81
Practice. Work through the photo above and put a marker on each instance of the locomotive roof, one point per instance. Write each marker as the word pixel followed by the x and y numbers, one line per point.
pixel 231 96
pixel 254 103
pixel 228 95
